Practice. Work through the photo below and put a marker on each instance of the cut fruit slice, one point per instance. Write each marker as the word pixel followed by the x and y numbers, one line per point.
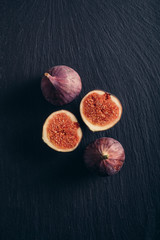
pixel 61 131
pixel 100 110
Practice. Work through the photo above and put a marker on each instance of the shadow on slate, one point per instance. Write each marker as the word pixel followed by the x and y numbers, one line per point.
pixel 29 110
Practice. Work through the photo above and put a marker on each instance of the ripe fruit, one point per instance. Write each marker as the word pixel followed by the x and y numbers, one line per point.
pixel 100 110
pixel 104 156
pixel 61 85
pixel 61 131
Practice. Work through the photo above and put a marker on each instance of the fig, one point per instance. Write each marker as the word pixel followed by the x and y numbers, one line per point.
pixel 100 110
pixel 61 131
pixel 105 156
pixel 61 85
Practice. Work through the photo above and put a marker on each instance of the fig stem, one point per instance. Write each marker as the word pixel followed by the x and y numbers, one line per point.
pixel 51 78
pixel 105 156
pixel 47 75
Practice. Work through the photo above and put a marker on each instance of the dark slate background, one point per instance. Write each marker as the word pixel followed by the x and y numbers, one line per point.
pixel 115 46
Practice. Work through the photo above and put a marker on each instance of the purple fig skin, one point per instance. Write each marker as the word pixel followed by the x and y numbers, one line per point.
pixel 105 156
pixel 61 85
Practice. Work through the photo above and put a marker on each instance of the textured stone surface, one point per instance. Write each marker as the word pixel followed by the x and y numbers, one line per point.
pixel 114 46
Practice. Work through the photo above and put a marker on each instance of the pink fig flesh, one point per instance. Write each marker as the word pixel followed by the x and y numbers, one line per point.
pixel 105 156
pixel 61 85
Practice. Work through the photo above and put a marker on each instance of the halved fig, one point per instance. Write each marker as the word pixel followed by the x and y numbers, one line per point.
pixel 61 131
pixel 100 110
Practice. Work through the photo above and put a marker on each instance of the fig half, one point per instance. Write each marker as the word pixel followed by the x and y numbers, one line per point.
pixel 105 156
pixel 100 110
pixel 61 131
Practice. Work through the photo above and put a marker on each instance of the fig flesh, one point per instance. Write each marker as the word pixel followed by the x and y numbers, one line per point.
pixel 61 85
pixel 105 156
pixel 100 110
pixel 61 131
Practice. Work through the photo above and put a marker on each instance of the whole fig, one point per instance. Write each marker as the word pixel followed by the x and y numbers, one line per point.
pixel 105 156
pixel 61 85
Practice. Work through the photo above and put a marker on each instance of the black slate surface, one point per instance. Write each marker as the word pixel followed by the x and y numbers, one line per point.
pixel 115 46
